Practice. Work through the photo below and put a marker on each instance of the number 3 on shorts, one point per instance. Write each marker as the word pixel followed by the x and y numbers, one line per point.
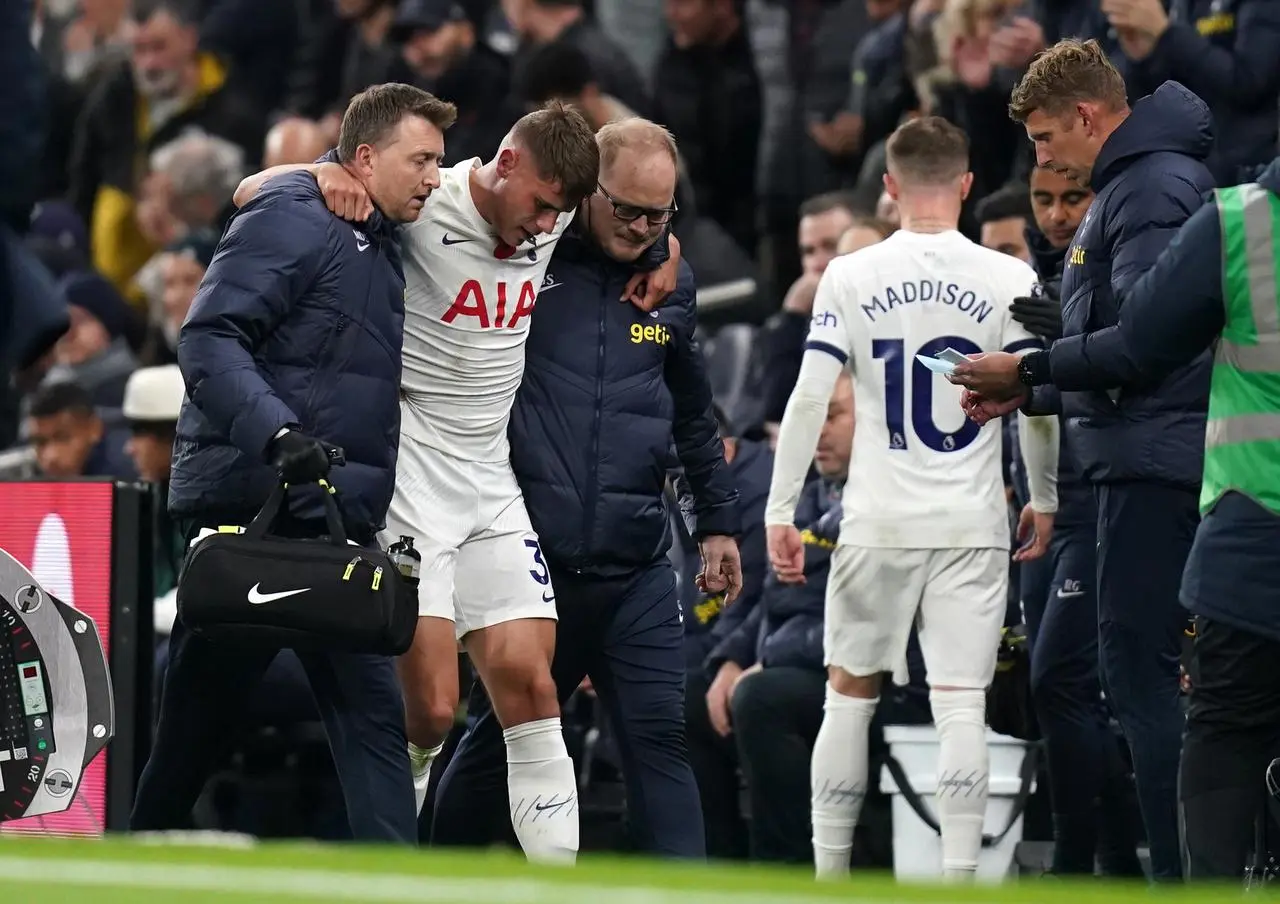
pixel 540 573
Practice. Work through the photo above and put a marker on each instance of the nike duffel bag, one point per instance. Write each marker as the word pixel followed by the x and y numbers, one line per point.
pixel 243 584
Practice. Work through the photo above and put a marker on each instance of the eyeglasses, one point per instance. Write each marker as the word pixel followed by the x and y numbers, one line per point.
pixel 629 213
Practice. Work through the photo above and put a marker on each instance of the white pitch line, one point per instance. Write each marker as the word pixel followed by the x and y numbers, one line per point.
pixel 396 888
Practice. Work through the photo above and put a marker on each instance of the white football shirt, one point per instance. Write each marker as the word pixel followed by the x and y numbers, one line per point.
pixel 922 475
pixel 468 300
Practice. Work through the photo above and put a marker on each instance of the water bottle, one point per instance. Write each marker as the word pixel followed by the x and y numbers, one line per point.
pixel 407 560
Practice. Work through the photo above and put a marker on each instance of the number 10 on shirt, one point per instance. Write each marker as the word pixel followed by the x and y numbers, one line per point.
pixel 893 353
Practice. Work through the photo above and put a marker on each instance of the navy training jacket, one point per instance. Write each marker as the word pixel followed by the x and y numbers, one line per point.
pixel 607 388
pixel 299 320
pixel 1150 177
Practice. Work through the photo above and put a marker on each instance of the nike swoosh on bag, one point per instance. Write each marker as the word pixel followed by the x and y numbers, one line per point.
pixel 257 597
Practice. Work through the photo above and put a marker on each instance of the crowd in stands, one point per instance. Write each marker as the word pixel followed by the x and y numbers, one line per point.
pixel 156 109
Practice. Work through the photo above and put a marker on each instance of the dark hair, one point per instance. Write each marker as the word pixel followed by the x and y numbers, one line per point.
pixel 828 201
pixel 1005 204
pixel 563 147
pixel 927 151
pixel 374 113
pixel 55 398
pixel 1068 73
pixel 555 71
pixel 187 12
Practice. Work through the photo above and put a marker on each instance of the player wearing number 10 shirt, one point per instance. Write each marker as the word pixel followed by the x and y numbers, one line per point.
pixel 925 535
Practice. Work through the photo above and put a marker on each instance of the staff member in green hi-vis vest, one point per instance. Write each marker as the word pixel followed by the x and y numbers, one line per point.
pixel 1217 285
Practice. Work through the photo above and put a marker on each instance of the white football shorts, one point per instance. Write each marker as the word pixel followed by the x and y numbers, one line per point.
pixel 481 562
pixel 955 597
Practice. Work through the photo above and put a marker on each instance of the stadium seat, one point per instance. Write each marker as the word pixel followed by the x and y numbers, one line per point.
pixel 728 357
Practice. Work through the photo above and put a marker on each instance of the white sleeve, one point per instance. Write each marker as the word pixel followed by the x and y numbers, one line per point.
pixel 1038 440
pixel 826 352
pixel 798 435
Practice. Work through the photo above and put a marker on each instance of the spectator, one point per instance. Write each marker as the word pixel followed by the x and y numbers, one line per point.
pixel 346 53
pixel 152 400
pixel 69 436
pixel 803 53
pixel 439 53
pixel 707 93
pixel 1004 218
pixel 96 350
pixel 1223 51
pixel 539 22
pixel 58 238
pixel 96 35
pixel 181 267
pixel 780 344
pixel 287 275
pixel 562 71
pixel 188 189
pixel 863 234
pixel 169 87
pixel 294 140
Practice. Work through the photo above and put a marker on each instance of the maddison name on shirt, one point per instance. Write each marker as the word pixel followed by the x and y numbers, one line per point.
pixel 936 292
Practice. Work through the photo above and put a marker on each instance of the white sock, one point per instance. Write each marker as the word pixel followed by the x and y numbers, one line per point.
pixel 543 791
pixel 420 760
pixel 963 772
pixel 838 776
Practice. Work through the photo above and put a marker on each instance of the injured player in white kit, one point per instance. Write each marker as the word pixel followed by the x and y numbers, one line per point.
pixel 925 536
pixel 474 262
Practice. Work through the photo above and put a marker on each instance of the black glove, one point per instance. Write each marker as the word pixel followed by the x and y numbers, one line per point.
pixel 299 458
pixel 1041 315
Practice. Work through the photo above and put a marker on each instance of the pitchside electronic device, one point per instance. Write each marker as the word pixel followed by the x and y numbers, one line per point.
pixel 56 706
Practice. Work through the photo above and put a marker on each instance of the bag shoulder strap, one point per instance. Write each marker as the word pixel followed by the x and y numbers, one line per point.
pixel 1030 765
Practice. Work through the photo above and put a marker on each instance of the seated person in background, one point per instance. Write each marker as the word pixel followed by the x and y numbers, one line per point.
pixel 152 399
pixel 294 140
pixel 69 437
pixel 1004 218
pixel 707 622
pixel 770 671
pixel 180 268
pixel 95 352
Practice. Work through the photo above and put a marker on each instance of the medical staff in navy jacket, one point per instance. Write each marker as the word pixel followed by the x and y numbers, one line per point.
pixel 292 345
pixel 1140 445
pixel 1172 316
pixel 607 391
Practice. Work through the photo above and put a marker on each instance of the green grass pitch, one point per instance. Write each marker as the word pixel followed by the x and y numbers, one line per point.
pixel 125 870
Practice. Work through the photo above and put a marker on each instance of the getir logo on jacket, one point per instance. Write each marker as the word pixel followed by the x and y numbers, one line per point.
pixel 653 332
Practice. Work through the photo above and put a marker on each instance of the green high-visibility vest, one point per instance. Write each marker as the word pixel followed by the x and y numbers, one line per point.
pixel 1242 438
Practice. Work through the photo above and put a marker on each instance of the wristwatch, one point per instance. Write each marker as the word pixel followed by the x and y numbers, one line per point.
pixel 1034 370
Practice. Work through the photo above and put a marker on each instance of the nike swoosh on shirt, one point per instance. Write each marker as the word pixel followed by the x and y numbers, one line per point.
pixel 445 240
pixel 257 598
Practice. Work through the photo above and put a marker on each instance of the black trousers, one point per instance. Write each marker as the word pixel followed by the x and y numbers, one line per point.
pixel 208 690
pixel 1094 811
pixel 1233 732
pixel 627 634
pixel 1145 532
pixel 776 715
